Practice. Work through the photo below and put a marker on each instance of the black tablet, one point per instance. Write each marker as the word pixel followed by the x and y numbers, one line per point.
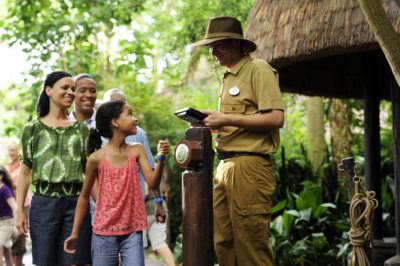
pixel 191 115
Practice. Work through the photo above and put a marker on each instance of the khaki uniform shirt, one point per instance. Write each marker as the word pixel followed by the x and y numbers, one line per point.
pixel 250 87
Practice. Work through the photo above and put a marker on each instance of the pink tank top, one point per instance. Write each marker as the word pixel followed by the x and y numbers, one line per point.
pixel 120 208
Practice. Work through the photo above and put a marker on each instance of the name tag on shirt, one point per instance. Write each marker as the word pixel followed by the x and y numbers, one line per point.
pixel 234 91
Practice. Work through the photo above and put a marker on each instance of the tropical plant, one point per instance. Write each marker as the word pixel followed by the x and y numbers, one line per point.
pixel 306 230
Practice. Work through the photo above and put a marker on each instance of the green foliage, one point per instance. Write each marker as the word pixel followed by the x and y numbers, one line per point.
pixel 293 134
pixel 178 251
pixel 15 99
pixel 69 35
pixel 307 231
pixel 293 169
pixel 47 26
pixel 190 20
pixel 388 206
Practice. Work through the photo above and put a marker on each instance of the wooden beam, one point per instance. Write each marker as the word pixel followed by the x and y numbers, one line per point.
pixel 396 137
pixel 372 144
pixel 384 32
pixel 338 76
pixel 395 92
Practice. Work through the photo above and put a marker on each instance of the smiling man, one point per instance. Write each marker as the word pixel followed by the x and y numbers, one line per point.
pixel 248 121
pixel 85 99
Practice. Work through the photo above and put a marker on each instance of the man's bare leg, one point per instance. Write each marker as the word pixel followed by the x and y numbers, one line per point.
pixel 166 255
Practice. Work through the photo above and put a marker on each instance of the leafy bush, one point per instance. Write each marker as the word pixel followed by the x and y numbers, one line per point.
pixel 306 230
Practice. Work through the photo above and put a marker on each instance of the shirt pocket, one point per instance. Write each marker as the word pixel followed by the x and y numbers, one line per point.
pixel 233 108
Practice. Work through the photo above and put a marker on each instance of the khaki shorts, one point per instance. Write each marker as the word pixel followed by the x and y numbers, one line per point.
pixel 6 231
pixel 157 233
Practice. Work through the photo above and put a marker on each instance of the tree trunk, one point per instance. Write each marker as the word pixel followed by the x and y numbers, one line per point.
pixel 340 123
pixel 316 132
pixel 384 32
pixel 195 56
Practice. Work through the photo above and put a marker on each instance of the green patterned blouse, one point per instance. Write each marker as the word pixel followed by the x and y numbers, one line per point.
pixel 56 157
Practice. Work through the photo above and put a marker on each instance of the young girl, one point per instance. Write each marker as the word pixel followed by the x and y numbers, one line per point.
pixel 8 207
pixel 120 215
pixel 53 158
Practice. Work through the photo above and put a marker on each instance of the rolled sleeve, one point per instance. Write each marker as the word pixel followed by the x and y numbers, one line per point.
pixel 26 145
pixel 266 89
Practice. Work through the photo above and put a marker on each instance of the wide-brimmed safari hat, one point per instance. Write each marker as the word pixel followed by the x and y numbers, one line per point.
pixel 221 28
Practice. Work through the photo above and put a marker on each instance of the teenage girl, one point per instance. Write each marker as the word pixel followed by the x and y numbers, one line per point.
pixel 120 215
pixel 8 207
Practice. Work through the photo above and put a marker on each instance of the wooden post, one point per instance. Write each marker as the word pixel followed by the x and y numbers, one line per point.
pixel 372 143
pixel 197 203
pixel 395 92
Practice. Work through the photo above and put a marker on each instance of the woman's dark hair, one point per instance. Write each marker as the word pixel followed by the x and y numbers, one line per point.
pixel 106 112
pixel 43 105
pixel 6 177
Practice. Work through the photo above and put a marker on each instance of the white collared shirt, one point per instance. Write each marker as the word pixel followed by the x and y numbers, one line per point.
pixel 90 122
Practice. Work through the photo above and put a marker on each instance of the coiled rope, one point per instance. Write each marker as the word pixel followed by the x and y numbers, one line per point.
pixel 361 206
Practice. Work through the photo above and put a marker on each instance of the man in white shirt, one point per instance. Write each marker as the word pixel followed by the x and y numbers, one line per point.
pixel 85 100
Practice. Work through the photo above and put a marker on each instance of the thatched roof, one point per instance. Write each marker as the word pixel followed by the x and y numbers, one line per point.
pixel 320 47
pixel 288 31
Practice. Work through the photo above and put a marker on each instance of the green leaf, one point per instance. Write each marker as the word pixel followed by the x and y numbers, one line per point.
pixel 288 221
pixel 292 213
pixel 328 205
pixel 343 250
pixel 305 214
pixel 279 206
pixel 277 225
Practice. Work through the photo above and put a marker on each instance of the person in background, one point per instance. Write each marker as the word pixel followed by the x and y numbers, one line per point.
pixel 157 227
pixel 120 215
pixel 97 104
pixel 156 214
pixel 18 248
pixel 248 121
pixel 8 209
pixel 53 158
pixel 14 163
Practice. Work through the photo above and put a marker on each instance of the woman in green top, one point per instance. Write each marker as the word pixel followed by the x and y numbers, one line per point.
pixel 53 160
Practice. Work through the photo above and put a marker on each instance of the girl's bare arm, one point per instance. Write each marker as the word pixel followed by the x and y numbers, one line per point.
pixel 152 177
pixel 90 177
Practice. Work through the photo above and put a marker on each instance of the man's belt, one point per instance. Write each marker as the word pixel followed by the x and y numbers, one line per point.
pixel 230 154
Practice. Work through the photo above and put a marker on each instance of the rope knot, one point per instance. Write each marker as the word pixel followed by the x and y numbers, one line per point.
pixel 361 206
